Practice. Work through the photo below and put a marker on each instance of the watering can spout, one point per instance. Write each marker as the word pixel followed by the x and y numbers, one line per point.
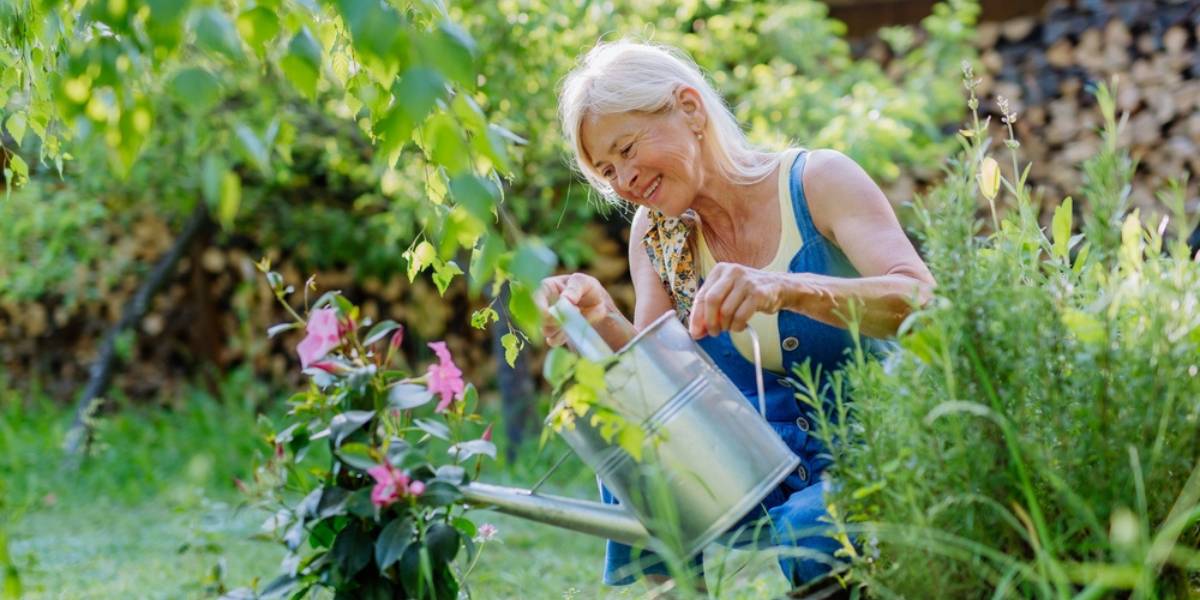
pixel 594 518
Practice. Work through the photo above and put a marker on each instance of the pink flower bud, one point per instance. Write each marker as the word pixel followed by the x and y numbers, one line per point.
pixel 397 338
pixel 487 433
pixel 326 366
pixel 416 488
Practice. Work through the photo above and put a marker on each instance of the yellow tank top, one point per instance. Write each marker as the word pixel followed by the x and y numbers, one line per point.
pixel 790 242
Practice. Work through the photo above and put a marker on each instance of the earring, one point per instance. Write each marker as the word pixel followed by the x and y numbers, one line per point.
pixel 699 136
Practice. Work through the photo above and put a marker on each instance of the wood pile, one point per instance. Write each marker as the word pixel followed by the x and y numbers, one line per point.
pixel 1045 66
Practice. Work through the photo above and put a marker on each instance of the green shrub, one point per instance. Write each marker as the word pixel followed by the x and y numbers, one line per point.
pixel 1037 433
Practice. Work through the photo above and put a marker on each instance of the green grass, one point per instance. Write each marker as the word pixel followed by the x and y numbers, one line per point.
pixel 153 512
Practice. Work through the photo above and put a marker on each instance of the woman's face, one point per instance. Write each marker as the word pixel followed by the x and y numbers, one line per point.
pixel 650 159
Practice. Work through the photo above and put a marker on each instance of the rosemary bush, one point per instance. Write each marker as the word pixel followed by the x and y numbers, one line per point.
pixel 1037 433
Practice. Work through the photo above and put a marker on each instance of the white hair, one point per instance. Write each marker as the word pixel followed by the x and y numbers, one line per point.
pixel 624 76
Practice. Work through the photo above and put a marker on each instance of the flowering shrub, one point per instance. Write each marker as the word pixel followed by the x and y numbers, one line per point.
pixel 383 517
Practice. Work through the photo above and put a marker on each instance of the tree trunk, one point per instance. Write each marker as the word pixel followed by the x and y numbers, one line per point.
pixel 79 436
pixel 517 403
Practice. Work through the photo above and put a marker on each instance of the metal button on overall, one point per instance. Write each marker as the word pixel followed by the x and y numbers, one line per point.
pixel 803 424
pixel 802 473
pixel 790 343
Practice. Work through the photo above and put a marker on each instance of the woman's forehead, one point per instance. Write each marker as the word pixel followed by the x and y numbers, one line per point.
pixel 597 133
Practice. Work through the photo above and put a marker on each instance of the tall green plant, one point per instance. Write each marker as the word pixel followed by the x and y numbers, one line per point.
pixel 1036 433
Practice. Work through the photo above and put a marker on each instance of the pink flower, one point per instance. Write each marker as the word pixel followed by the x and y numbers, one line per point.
pixel 487 434
pixel 444 377
pixel 323 335
pixel 486 532
pixel 391 484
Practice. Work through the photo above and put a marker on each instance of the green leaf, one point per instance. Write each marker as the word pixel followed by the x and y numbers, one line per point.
pixel 302 65
pixel 16 126
pixel 1085 326
pixel 445 144
pixel 419 258
pixel 484 260
pixel 359 504
pixel 196 89
pixel 347 423
pixel 480 196
pixel 558 365
pixel 464 450
pixel 452 473
pixel 258 26
pixel 404 396
pixel 392 542
pixel 380 330
pixel 512 347
pixel 443 274
pixel 333 502
pixel 1061 228
pixel 230 199
pixel 532 263
pixel 452 50
pixel 483 316
pixel 524 310
pixel 279 587
pixel 214 32
pixel 434 428
pixel 442 540
pixel 352 549
pixel 439 493
pixel 357 455
pixel 18 166
pixel 253 147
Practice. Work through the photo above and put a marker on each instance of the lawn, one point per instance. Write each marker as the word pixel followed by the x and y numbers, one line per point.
pixel 154 513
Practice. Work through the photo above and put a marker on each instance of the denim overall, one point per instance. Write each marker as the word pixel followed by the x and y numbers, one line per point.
pixel 797 504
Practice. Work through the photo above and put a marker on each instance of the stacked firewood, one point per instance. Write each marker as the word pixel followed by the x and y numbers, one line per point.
pixel 1046 66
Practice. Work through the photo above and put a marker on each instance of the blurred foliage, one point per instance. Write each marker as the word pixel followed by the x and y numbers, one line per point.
pixel 1036 436
pixel 355 130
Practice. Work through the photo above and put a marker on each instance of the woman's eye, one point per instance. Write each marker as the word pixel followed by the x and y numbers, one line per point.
pixel 625 151
pixel 608 173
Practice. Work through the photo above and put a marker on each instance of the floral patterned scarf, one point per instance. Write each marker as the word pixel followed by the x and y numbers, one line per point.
pixel 672 251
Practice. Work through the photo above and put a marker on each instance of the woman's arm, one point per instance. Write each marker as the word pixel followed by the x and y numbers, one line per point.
pixel 850 210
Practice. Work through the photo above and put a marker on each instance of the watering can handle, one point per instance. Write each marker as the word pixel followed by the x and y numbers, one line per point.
pixel 758 372
pixel 579 332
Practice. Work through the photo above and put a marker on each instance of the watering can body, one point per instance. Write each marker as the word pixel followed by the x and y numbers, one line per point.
pixel 708 456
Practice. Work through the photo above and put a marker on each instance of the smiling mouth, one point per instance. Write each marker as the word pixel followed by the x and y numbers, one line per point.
pixel 653 187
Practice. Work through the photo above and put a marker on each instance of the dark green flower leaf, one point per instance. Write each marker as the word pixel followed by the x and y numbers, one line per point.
pixel 464 450
pixel 357 456
pixel 404 396
pixel 396 451
pixel 333 502
pixel 352 549
pixel 440 493
pixel 434 428
pixel 443 541
pixel 409 568
pixel 452 473
pixel 359 504
pixel 380 330
pixel 279 587
pixel 392 542
pixel 466 527
pixel 347 423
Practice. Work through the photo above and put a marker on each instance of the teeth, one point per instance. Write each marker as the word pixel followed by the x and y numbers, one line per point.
pixel 653 186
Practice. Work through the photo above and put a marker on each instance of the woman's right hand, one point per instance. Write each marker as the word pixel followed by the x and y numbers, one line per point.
pixel 584 291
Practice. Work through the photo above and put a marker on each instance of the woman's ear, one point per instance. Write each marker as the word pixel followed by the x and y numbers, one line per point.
pixel 688 101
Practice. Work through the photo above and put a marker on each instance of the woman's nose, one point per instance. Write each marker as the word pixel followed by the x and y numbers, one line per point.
pixel 626 178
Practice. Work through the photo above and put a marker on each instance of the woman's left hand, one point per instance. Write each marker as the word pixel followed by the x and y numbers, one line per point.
pixel 731 294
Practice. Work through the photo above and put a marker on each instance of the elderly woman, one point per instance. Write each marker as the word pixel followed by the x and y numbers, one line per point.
pixel 732 237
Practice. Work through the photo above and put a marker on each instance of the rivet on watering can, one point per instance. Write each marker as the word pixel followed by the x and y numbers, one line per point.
pixel 802 423
pixel 790 344
pixel 802 473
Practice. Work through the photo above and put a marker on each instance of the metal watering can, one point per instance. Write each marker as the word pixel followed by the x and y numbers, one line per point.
pixel 708 459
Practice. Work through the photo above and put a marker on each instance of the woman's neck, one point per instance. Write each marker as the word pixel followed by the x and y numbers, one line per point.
pixel 733 216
